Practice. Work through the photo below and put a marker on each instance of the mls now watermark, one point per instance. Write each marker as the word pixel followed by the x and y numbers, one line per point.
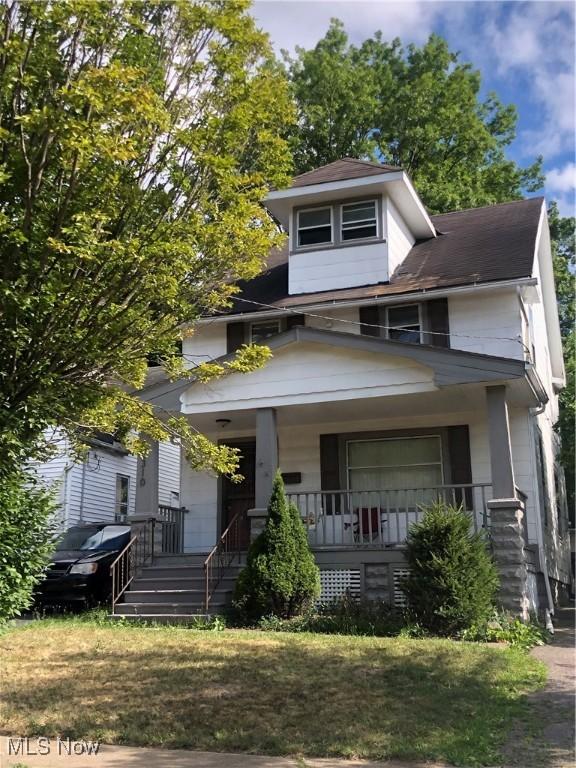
pixel 27 747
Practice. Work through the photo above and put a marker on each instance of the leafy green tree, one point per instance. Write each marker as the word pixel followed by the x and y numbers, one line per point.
pixel 137 141
pixel 26 525
pixel 562 232
pixel 281 577
pixel 415 107
pixel 452 582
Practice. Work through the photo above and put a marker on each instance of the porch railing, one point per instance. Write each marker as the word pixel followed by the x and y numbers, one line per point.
pixel 381 518
pixel 138 552
pixel 221 557
pixel 171 520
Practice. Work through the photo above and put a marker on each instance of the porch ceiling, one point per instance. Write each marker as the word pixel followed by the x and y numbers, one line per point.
pixel 435 407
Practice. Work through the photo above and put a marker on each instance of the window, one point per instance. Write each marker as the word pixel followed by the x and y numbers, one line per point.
pixel 404 323
pixel 398 463
pixel 122 496
pixel 263 330
pixel 314 227
pixel 358 220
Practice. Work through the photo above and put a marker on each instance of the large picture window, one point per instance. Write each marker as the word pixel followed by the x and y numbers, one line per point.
pixel 358 220
pixel 315 227
pixel 396 463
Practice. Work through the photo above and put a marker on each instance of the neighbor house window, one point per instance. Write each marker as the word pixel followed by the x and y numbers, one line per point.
pixel 399 463
pixel 315 226
pixel 122 496
pixel 358 220
pixel 263 330
pixel 404 323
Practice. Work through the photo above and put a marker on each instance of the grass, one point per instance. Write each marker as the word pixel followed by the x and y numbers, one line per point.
pixel 267 693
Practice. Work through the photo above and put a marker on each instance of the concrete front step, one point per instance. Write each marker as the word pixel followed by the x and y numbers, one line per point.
pixel 180 559
pixel 177 582
pixel 168 609
pixel 174 595
pixel 180 571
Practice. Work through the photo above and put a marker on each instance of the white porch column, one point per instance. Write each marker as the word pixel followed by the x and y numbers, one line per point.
pixel 503 485
pixel 147 482
pixel 506 510
pixel 266 455
pixel 266 466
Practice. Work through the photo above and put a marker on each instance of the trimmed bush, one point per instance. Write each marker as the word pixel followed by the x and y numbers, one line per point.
pixel 26 540
pixel 281 577
pixel 453 581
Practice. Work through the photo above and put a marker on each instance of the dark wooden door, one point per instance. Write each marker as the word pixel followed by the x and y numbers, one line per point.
pixel 240 497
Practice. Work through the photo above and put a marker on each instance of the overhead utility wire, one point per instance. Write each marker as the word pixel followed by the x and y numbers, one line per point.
pixel 376 325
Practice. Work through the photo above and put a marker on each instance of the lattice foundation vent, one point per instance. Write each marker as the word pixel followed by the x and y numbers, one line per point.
pixel 399 596
pixel 336 583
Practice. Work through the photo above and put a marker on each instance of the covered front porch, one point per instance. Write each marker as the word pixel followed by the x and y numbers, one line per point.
pixel 360 472
pixel 366 432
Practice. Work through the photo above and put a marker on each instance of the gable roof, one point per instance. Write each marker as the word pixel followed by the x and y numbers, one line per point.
pixel 340 170
pixel 450 366
pixel 478 245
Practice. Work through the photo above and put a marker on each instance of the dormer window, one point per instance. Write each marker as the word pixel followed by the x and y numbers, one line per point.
pixel 358 220
pixel 315 227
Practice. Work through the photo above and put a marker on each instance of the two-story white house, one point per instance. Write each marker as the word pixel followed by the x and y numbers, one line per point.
pixel 415 357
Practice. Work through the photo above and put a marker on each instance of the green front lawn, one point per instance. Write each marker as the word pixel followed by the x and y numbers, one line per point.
pixel 272 693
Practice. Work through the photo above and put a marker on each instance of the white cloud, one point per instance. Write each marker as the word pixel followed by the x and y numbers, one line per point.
pixel 562 179
pixel 533 44
pixel 304 22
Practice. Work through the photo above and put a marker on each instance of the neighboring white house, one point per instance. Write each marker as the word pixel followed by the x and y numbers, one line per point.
pixel 103 487
pixel 414 356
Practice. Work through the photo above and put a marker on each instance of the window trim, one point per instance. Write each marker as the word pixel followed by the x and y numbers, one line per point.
pixel 388 324
pixel 372 238
pixel 119 515
pixel 436 435
pixel 298 228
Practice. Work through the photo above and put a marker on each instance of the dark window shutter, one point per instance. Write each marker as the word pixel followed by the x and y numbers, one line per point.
pixel 293 320
pixel 460 464
pixel 234 336
pixel 437 313
pixel 370 315
pixel 330 472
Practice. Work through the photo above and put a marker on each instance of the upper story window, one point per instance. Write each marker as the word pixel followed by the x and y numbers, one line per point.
pixel 358 220
pixel 263 330
pixel 404 323
pixel 315 227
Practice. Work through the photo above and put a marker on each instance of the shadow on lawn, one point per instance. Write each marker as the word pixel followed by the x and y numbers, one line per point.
pixel 405 700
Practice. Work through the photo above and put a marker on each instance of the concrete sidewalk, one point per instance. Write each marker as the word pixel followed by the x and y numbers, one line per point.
pixel 141 757
pixel 553 746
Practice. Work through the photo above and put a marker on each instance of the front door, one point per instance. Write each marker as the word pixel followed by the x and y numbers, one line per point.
pixel 240 497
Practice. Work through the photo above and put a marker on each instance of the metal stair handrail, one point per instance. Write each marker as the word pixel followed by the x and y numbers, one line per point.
pixel 137 553
pixel 221 557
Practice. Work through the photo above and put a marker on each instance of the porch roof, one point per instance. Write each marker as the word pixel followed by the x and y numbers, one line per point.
pixel 448 366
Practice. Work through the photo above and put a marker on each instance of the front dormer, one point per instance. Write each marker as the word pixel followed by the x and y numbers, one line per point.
pixel 349 224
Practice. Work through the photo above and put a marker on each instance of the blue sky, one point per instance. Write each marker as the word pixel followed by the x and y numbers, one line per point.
pixel 524 50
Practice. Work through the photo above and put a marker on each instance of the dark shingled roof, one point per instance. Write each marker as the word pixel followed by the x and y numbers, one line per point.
pixel 479 245
pixel 339 170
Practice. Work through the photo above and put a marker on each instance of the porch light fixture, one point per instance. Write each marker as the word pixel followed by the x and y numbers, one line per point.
pixel 222 422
